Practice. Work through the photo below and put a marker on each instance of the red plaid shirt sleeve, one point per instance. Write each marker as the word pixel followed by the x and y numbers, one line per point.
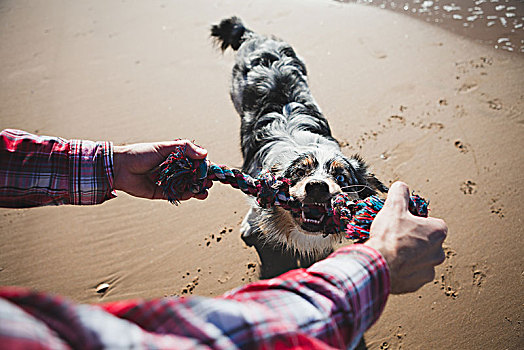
pixel 327 306
pixel 42 170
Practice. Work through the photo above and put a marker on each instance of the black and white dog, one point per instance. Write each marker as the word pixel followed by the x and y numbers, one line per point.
pixel 283 130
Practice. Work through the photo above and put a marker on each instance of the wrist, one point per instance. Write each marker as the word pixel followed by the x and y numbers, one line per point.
pixel 382 248
pixel 378 246
pixel 119 153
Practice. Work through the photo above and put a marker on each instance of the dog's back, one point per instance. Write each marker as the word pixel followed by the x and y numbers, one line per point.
pixel 270 92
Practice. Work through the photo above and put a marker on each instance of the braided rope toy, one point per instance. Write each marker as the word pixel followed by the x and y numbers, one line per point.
pixel 179 174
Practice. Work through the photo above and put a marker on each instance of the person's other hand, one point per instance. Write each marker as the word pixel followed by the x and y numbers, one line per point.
pixel 411 245
pixel 133 165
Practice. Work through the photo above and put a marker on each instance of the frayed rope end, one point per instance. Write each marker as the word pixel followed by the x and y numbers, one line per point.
pixel 179 174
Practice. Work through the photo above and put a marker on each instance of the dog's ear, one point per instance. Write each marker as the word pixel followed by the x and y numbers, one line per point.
pixel 372 185
pixel 369 179
pixel 376 183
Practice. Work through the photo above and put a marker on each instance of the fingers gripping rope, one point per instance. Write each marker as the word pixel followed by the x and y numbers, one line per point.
pixel 178 175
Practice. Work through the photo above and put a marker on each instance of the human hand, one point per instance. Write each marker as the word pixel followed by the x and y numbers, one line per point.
pixel 411 245
pixel 133 165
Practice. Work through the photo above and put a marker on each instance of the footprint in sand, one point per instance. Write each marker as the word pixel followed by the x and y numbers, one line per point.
pixel 224 278
pixel 391 121
pixel 496 208
pixel 215 238
pixel 190 286
pixel 432 126
pixel 465 67
pixel 495 104
pixel 460 111
pixel 497 211
pixel 467 88
pixel 397 118
pixel 468 187
pixel 461 146
pixel 251 272
pixel 394 341
pixel 344 144
pixel 446 279
pixel 479 276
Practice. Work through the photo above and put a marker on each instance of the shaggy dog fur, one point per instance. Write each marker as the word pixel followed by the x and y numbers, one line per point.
pixel 283 130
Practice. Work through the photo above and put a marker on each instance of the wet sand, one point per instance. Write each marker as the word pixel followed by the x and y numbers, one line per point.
pixel 496 23
pixel 419 103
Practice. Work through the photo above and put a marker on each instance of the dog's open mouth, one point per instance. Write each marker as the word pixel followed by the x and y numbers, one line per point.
pixel 313 216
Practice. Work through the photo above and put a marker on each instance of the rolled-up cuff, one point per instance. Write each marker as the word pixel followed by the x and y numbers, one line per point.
pixel 91 172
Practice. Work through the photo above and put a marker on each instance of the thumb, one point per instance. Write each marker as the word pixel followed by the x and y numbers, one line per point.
pixel 398 197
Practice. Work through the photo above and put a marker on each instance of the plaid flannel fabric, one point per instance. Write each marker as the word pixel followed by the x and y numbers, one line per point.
pixel 327 306
pixel 42 170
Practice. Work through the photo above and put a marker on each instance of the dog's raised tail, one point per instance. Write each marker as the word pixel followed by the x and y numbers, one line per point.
pixel 230 32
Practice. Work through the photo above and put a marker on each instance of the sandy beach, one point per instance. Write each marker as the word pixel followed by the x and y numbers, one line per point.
pixel 419 103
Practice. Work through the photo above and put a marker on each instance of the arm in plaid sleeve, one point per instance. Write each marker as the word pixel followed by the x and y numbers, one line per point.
pixel 333 302
pixel 326 306
pixel 42 170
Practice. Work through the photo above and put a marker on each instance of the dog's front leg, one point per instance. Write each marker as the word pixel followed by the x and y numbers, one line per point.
pixel 249 229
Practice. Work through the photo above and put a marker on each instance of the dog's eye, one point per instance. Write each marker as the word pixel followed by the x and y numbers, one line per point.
pixel 300 172
pixel 340 178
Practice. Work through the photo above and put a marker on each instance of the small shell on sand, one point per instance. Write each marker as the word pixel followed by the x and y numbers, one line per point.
pixel 102 288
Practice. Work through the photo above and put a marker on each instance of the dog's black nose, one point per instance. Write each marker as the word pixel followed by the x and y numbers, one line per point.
pixel 317 188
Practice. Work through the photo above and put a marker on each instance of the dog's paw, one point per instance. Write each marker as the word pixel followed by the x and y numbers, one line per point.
pixel 248 228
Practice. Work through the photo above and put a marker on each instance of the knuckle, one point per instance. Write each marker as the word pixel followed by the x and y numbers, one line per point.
pixel 401 185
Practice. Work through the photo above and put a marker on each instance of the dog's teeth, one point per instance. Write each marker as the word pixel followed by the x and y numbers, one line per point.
pixel 304 216
pixel 312 221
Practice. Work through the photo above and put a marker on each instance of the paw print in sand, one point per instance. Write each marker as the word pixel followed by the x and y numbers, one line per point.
pixel 251 271
pixel 215 237
pixel 468 187
pixel 192 284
